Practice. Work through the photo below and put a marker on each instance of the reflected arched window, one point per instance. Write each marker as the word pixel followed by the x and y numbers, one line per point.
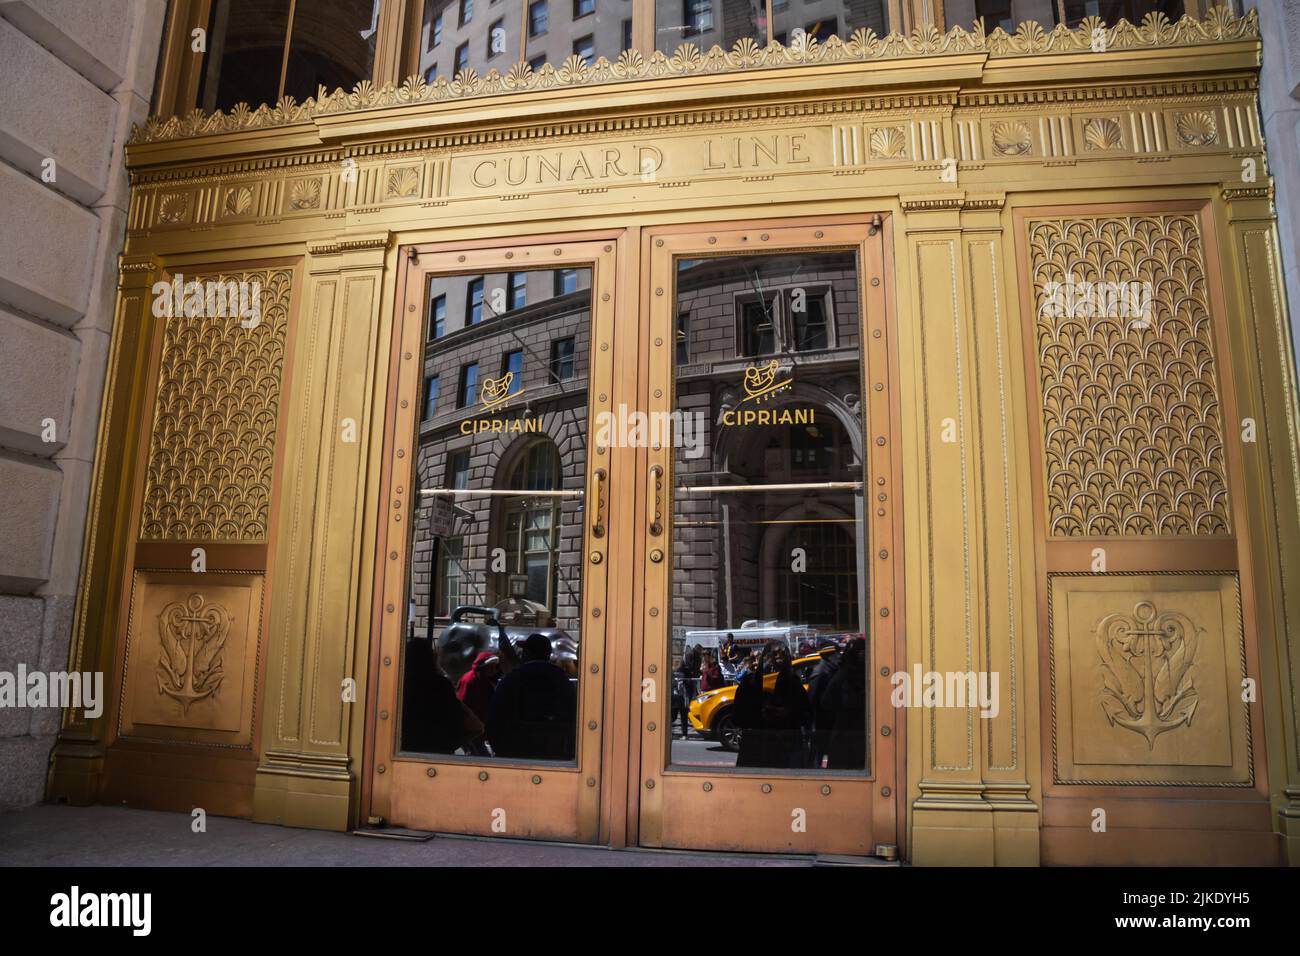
pixel 530 524
pixel 260 50
pixel 824 594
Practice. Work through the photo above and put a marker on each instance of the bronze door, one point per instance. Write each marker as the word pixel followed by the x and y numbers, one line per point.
pixel 503 359
pixel 770 542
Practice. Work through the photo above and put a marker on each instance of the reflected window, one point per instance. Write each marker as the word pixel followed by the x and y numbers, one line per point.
pixel 458 470
pixel 562 359
pixel 468 385
pixel 512 364
pixel 518 290
pixel 450 573
pixel 566 281
pixel 757 326
pixel 537 18
pixel 437 316
pixel 698 16
pixel 474 302
pixel 330 42
pixel 430 396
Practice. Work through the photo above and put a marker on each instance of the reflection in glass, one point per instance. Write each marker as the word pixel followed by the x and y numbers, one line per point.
pixel 709 23
pixel 245 53
pixel 331 43
pixel 590 29
pixel 493 615
pixel 1009 14
pixel 822 19
pixel 457 35
pixel 769 582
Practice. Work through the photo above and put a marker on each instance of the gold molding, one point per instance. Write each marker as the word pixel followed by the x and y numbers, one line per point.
pixel 1156 31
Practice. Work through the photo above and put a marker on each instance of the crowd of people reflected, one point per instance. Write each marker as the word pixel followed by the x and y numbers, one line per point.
pixel 515 703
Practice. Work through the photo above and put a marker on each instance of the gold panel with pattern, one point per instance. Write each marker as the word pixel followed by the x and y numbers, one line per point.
pixel 212 450
pixel 1132 421
pixel 191 657
pixel 1146 680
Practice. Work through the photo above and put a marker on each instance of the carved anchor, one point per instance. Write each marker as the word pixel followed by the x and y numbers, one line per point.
pixel 192 637
pixel 1146 670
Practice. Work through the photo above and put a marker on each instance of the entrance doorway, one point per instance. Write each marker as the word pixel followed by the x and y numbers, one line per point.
pixel 682 521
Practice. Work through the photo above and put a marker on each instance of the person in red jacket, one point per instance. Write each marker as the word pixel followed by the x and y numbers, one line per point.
pixel 710 673
pixel 476 688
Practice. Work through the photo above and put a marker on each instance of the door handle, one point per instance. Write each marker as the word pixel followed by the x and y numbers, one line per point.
pixel 598 526
pixel 656 500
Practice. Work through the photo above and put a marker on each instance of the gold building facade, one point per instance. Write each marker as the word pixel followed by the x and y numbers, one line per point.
pixel 1100 508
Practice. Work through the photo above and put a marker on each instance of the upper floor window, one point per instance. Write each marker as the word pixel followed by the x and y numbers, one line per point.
pixel 583 8
pixel 474 302
pixel 468 385
pixel 462 57
pixel 437 316
pixel 538 19
pixel 261 50
pixel 698 16
pixel 562 351
pixel 512 364
pixel 496 42
pixel 430 396
pixel 566 281
pixel 435 31
pixel 518 290
pixel 585 47
pixel 466 11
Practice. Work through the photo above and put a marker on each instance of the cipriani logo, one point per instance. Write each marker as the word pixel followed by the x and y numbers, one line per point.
pixel 55 689
pixel 74 909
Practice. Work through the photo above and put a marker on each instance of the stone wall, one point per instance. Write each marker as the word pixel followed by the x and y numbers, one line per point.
pixel 1279 103
pixel 78 73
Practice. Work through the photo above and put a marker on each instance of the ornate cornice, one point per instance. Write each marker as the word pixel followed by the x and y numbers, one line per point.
pixel 1156 31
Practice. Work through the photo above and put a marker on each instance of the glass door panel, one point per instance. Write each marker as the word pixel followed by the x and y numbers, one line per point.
pixel 492 662
pixel 777 488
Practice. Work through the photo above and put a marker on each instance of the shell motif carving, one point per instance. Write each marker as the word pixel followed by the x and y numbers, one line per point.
pixel 1197 128
pixel 888 142
pixel 1012 138
pixel 1132 420
pixel 403 182
pixel 239 201
pixel 174 208
pixel 305 194
pixel 1103 134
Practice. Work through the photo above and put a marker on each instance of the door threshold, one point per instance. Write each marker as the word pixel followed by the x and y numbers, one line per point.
pixel 812 859
pixel 395 833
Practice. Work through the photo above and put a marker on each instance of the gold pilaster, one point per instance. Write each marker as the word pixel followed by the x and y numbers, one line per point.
pixel 307 772
pixel 1266 378
pixel 78 758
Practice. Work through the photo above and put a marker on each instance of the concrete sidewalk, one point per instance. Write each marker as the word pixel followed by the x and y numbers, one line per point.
pixel 116 836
